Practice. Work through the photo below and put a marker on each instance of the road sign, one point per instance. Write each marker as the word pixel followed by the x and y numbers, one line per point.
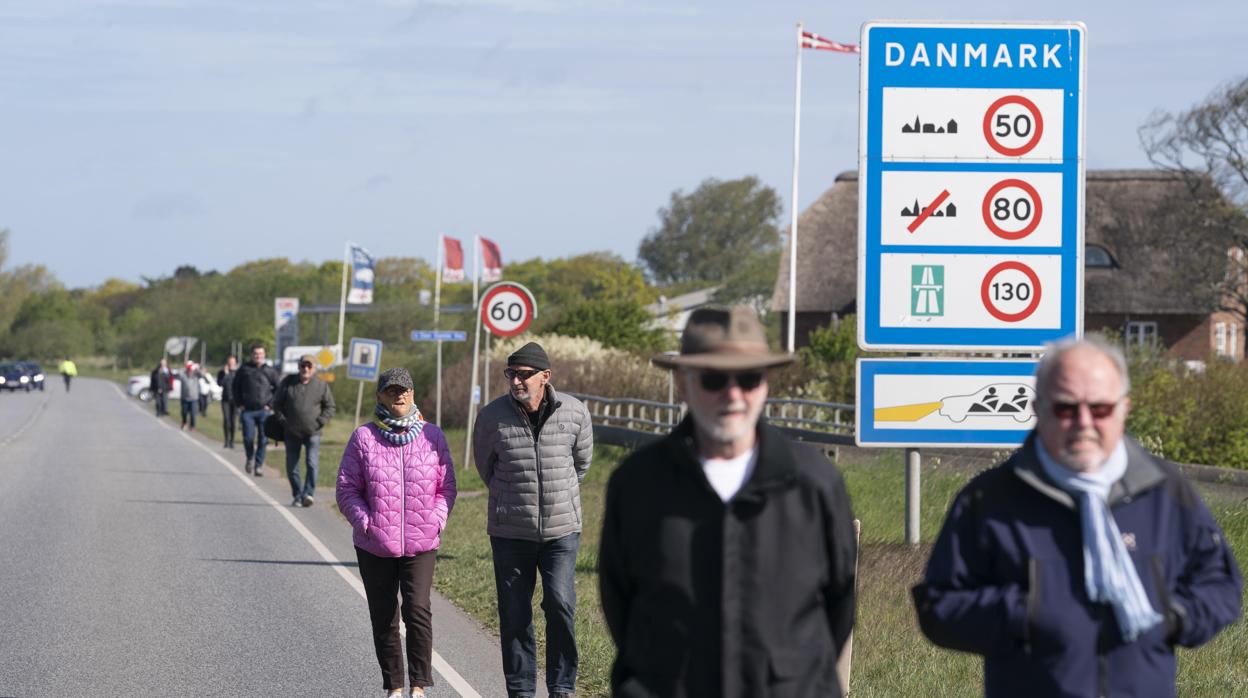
pixel 971 180
pixel 942 402
pixel 439 336
pixel 507 309
pixel 326 357
pixel 364 359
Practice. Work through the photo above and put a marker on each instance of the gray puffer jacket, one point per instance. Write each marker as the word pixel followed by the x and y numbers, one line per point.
pixel 534 482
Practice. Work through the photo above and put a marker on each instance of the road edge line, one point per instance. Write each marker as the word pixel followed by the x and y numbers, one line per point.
pixel 452 677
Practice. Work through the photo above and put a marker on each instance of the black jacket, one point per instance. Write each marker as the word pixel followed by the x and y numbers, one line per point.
pixel 159 383
pixel 226 381
pixel 254 386
pixel 303 409
pixel 750 598
pixel 1006 581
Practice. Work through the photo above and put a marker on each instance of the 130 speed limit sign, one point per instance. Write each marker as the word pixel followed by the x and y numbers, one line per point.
pixel 507 309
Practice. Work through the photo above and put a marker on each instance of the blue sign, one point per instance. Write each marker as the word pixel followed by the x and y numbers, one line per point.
pixel 944 402
pixel 439 336
pixel 364 361
pixel 971 180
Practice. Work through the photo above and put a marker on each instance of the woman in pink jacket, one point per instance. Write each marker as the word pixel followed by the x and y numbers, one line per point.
pixel 396 486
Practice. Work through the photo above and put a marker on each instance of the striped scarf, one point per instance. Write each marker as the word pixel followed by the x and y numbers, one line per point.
pixel 398 430
pixel 1108 572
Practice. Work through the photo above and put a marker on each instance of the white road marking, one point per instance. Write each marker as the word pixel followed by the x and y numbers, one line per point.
pixel 453 678
pixel 26 425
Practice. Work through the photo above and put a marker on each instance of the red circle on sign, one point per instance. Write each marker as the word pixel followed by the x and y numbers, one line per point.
pixel 1035 215
pixel 524 322
pixel 1035 114
pixel 997 312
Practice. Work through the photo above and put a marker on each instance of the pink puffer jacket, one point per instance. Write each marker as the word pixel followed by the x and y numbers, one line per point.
pixel 397 498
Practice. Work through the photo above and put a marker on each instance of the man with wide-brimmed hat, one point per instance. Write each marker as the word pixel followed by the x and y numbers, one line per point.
pixel 726 564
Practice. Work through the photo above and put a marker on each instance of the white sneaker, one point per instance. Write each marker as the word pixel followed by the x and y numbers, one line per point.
pixel 417 692
pixel 394 693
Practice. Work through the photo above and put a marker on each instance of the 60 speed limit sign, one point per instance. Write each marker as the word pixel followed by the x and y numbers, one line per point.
pixel 507 309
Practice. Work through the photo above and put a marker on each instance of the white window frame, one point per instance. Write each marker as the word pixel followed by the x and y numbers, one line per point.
pixel 1219 339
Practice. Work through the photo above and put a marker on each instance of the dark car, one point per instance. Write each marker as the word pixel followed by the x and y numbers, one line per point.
pixel 35 371
pixel 13 377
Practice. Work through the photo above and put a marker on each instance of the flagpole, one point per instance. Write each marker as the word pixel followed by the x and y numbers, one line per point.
pixel 797 137
pixel 342 305
pixel 437 307
pixel 476 347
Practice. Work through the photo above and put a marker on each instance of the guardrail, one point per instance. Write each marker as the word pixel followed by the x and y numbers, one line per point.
pixel 631 421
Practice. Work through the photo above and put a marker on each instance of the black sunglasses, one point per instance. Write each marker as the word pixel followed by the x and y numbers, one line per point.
pixel 715 381
pixel 511 373
pixel 1070 410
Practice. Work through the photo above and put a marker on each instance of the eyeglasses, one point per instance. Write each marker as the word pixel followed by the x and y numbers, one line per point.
pixel 303 366
pixel 394 390
pixel 714 381
pixel 1070 410
pixel 523 375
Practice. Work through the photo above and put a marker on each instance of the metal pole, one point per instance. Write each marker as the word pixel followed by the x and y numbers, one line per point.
pixel 476 355
pixel 913 461
pixel 485 374
pixel 342 303
pixel 359 397
pixel 797 137
pixel 437 303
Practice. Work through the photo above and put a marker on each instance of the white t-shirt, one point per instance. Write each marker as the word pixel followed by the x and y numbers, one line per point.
pixel 728 475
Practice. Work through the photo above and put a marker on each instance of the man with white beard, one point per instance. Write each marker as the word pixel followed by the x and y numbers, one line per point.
pixel 726 565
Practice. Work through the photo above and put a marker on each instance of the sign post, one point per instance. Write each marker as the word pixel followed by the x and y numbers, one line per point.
pixel 970 225
pixel 506 309
pixel 363 364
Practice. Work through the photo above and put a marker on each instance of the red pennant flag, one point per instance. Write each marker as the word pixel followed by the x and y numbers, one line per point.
pixel 811 40
pixel 491 261
pixel 453 254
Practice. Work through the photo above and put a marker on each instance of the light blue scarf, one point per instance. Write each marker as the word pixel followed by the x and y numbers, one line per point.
pixel 1107 569
pixel 398 430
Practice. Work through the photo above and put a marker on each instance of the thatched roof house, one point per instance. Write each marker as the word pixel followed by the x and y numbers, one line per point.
pixel 1151 270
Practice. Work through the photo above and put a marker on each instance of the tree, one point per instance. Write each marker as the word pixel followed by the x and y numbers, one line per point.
pixel 1207 145
pixel 622 324
pixel 725 232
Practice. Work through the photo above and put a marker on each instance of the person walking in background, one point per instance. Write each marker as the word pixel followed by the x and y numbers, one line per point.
pixel 396 487
pixel 68 371
pixel 254 385
pixel 304 404
pixel 1075 567
pixel 189 376
pixel 159 383
pixel 726 565
pixel 532 448
pixel 229 411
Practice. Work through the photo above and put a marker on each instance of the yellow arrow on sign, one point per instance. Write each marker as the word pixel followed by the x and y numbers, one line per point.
pixel 906 413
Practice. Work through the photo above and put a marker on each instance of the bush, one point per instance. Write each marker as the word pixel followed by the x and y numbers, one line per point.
pixel 1191 415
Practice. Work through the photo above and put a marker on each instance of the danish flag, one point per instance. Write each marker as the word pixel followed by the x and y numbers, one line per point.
pixel 811 40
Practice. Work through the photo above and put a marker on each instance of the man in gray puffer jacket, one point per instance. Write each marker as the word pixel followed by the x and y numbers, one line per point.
pixel 532 449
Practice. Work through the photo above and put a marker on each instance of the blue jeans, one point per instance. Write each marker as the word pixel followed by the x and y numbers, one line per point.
pixel 516 564
pixel 188 410
pixel 312 457
pixel 254 440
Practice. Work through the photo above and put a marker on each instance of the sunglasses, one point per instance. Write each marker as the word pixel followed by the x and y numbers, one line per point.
pixel 1070 410
pixel 714 381
pixel 303 366
pixel 511 373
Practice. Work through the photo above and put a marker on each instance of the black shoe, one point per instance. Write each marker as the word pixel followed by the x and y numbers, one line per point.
pixel 248 467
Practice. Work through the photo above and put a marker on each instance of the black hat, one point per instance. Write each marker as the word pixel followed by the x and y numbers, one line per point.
pixel 394 376
pixel 531 355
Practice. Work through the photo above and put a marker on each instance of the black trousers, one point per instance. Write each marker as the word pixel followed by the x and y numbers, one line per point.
pixel 229 415
pixel 387 580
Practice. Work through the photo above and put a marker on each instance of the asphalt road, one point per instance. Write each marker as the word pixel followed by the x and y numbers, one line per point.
pixel 138 560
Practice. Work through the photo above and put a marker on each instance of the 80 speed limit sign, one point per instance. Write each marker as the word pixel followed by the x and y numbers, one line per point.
pixel 507 309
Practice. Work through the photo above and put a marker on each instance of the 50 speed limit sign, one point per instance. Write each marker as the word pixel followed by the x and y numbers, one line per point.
pixel 507 309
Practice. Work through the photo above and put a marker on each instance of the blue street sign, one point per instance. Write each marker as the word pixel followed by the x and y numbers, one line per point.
pixel 944 402
pixel 439 335
pixel 971 182
pixel 364 360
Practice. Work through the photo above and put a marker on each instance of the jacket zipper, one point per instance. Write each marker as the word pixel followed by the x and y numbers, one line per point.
pixel 402 504
pixel 537 453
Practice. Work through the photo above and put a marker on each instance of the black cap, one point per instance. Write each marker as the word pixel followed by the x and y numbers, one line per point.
pixel 394 376
pixel 531 355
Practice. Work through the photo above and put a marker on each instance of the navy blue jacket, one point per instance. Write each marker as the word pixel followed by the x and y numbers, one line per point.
pixel 1005 581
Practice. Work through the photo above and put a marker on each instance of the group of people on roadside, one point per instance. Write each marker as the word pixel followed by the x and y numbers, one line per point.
pixel 727 562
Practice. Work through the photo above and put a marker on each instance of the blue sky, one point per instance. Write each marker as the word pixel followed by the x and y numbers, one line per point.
pixel 138 135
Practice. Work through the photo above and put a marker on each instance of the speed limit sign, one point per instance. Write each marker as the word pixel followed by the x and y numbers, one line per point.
pixel 507 309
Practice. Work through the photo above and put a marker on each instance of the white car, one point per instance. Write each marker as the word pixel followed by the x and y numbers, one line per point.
pixel 140 387
pixel 999 400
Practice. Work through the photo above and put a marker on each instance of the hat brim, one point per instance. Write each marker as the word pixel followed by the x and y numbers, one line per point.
pixel 723 362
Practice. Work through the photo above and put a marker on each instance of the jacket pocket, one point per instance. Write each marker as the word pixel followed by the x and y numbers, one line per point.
pixel 798 672
pixel 1035 589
